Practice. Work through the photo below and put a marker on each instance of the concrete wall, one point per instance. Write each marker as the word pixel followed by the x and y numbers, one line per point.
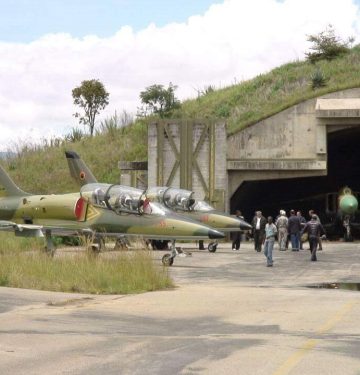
pixel 201 157
pixel 291 143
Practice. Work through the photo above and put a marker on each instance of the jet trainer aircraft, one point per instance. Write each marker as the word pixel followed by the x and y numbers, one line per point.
pixel 98 210
pixel 177 200
pixel 183 202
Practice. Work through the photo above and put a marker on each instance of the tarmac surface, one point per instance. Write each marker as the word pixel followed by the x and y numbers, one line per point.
pixel 229 314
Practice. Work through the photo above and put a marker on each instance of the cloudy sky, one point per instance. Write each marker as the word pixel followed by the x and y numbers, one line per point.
pixel 48 47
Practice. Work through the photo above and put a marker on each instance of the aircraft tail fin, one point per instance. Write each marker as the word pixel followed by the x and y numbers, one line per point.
pixel 8 186
pixel 78 169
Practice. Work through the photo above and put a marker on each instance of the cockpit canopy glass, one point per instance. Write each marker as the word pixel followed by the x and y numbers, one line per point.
pixel 115 197
pixel 202 206
pixel 175 199
pixel 120 199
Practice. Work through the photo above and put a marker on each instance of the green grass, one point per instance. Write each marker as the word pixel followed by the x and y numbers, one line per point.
pixel 13 244
pixel 267 94
pixel 108 273
pixel 44 170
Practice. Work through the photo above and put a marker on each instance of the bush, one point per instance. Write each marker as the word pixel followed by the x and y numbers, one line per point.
pixel 327 45
pixel 318 79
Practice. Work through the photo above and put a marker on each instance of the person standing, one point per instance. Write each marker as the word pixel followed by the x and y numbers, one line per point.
pixel 302 224
pixel 294 229
pixel 311 214
pixel 281 225
pixel 270 233
pixel 236 236
pixel 258 224
pixel 314 229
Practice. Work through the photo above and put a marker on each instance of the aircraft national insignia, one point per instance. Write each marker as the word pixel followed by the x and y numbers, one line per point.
pixel 82 175
pixel 92 213
pixel 205 218
pixel 162 224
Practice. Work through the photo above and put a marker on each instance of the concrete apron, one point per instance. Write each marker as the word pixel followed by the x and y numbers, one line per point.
pixel 230 314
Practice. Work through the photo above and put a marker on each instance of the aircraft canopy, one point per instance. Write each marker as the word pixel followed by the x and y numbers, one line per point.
pixel 120 199
pixel 175 199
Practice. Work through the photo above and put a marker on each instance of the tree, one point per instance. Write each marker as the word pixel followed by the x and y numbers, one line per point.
pixel 92 97
pixel 159 100
pixel 327 45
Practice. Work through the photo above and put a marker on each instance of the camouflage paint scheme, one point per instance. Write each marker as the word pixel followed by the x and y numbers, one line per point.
pixel 74 213
pixel 201 212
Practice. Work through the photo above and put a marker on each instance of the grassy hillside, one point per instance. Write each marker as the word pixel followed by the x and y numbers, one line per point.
pixel 248 102
pixel 44 169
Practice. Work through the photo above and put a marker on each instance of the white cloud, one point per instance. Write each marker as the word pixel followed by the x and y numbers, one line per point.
pixel 233 40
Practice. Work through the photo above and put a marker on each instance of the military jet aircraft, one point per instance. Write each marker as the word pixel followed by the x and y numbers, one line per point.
pixel 338 211
pixel 342 211
pixel 98 210
pixel 179 200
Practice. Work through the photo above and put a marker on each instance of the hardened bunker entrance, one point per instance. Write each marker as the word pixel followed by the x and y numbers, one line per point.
pixel 289 160
pixel 304 193
pixel 296 158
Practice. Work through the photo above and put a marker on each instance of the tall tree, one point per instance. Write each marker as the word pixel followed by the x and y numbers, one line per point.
pixel 160 100
pixel 92 97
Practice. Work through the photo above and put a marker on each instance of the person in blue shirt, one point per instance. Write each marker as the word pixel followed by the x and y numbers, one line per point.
pixel 270 234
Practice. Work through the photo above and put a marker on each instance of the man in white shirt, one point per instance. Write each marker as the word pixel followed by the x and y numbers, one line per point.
pixel 258 223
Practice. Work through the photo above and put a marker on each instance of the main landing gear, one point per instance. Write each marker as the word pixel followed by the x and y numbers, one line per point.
pixel 168 259
pixel 49 247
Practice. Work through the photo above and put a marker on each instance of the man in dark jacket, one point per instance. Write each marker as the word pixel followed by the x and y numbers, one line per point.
pixel 236 236
pixel 294 229
pixel 258 224
pixel 314 229
pixel 302 223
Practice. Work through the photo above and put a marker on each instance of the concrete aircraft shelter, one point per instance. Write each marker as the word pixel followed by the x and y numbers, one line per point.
pixel 283 161
pixel 287 160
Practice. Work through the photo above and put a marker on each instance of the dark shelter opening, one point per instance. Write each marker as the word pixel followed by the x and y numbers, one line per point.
pixel 305 193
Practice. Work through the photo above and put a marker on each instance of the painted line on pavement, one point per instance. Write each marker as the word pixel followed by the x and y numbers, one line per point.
pixel 310 344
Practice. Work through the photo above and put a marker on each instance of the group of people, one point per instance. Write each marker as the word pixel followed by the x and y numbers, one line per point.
pixel 285 229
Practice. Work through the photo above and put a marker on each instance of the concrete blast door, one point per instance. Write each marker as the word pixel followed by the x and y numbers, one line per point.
pixel 190 156
pixel 306 193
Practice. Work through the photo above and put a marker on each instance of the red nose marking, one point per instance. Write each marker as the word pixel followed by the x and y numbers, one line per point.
pixel 79 208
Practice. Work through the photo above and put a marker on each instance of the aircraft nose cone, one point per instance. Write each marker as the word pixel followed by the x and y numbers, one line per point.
pixel 244 225
pixel 215 234
pixel 349 204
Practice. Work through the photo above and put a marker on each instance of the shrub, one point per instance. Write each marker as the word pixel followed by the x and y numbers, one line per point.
pixel 318 79
pixel 327 45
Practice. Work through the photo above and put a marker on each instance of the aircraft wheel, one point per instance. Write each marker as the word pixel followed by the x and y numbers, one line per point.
pixel 167 260
pixel 98 245
pixel 212 247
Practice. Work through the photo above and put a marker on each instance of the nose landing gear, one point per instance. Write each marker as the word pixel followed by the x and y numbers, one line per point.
pixel 213 246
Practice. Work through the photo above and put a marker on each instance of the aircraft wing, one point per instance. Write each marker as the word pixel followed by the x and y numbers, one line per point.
pixel 32 230
pixel 22 230
pixel 152 236
pixel 63 229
